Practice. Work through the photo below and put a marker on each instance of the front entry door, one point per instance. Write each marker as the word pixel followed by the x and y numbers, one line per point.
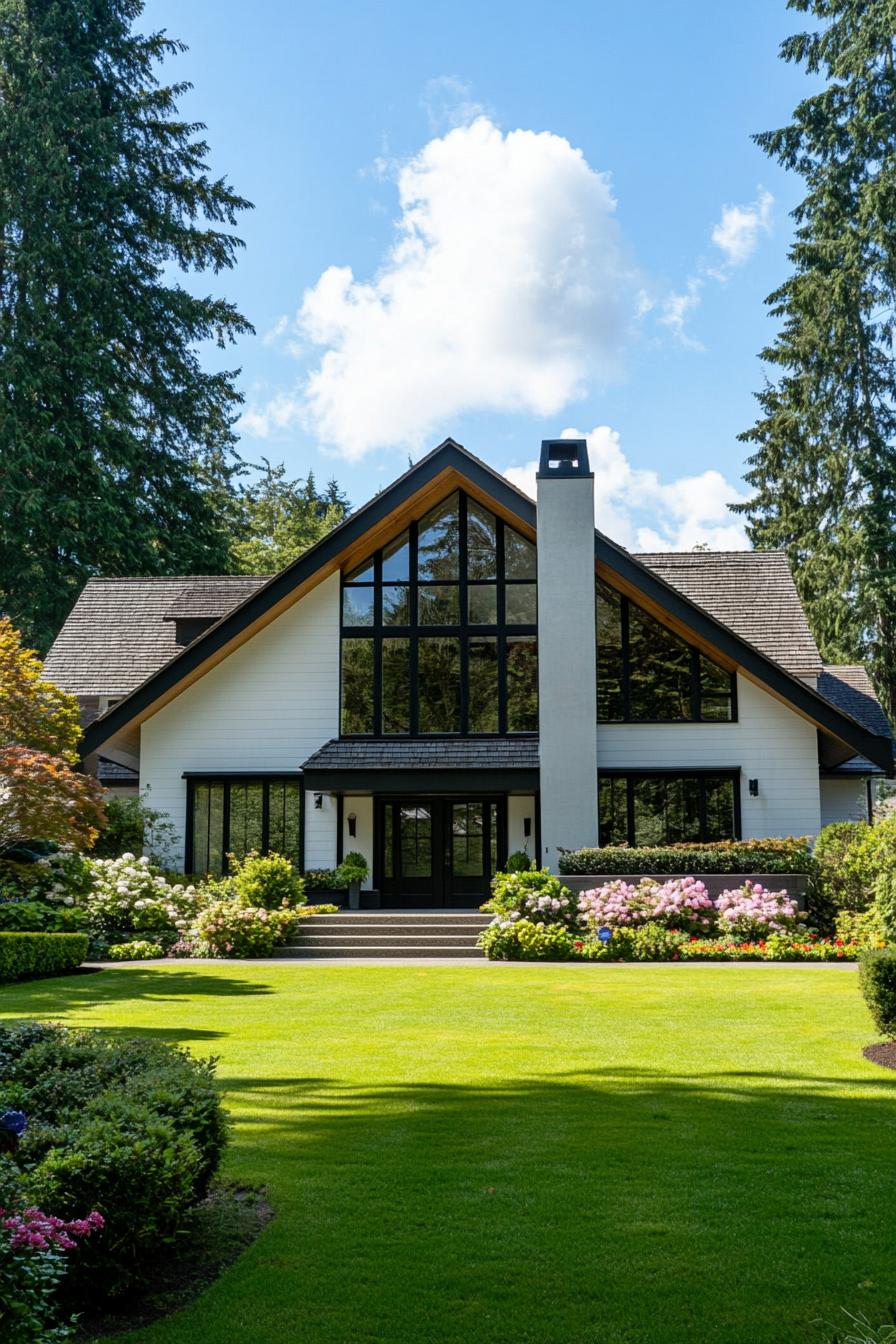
pixel 438 851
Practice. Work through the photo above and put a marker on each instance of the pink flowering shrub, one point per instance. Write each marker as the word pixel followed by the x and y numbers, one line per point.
pixel 752 912
pixel 33 1250
pixel 231 929
pixel 535 895
pixel 681 903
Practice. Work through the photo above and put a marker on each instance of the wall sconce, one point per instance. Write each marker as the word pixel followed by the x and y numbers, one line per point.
pixel 352 825
pixel 754 788
pixel 527 827
pixel 318 801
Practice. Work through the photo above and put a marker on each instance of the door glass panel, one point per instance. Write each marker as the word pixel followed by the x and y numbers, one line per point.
pixel 415 841
pixel 467 840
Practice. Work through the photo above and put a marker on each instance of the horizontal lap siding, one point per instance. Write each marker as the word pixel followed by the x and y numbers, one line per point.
pixel 843 800
pixel 769 743
pixel 267 706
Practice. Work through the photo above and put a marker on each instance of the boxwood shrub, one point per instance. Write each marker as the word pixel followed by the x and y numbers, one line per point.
pixel 27 954
pixel 877 977
pixel 791 855
pixel 132 1128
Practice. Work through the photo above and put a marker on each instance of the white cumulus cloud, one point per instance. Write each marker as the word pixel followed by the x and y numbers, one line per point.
pixel 644 513
pixel 737 232
pixel 506 288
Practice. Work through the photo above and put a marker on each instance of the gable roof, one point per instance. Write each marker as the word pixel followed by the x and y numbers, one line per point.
pixel 750 592
pixel 447 466
pixel 121 631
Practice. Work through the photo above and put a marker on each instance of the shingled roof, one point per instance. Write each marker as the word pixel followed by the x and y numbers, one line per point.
pixel 500 753
pixel 753 594
pixel 121 631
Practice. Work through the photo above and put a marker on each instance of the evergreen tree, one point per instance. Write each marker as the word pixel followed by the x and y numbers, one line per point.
pixel 110 429
pixel 824 465
pixel 277 519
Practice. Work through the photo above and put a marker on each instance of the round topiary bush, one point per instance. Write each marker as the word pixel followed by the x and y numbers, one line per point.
pixel 132 1128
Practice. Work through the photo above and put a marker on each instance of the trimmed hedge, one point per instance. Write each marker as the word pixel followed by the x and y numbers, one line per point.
pixel 31 954
pixel 132 1128
pixel 877 977
pixel 792 855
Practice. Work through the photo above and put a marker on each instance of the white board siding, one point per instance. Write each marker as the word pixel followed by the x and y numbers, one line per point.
pixel 362 841
pixel 520 806
pixel 267 706
pixel 843 800
pixel 769 742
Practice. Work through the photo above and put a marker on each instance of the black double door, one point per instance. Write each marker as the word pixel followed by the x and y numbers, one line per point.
pixel 435 852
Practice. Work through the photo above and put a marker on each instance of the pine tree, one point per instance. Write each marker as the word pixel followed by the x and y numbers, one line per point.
pixel 824 466
pixel 277 519
pixel 110 428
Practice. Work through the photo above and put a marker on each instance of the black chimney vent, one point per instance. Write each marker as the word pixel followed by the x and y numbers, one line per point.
pixel 564 457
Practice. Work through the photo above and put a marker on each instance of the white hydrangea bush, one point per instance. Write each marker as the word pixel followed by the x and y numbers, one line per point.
pixel 130 893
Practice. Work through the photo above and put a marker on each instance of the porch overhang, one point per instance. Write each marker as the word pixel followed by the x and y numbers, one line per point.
pixel 440 765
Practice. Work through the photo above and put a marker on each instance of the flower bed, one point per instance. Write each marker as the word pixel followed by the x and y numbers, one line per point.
pixel 537 918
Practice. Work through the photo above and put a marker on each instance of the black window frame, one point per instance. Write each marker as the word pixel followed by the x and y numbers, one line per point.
pixel 731 774
pixel 415 630
pixel 695 700
pixel 227 779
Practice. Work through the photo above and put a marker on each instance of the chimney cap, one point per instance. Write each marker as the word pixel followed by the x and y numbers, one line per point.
pixel 564 457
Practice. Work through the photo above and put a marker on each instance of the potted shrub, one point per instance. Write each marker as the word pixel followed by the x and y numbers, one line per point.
pixel 351 872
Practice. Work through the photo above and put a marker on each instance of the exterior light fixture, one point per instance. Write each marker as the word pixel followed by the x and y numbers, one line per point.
pixel 319 801
pixel 527 826
pixel 352 825
pixel 754 788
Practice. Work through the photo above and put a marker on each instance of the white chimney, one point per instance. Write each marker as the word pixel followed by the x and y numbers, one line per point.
pixel 567 652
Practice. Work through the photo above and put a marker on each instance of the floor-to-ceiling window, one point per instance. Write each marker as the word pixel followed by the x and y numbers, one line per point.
pixel 439 629
pixel 667 807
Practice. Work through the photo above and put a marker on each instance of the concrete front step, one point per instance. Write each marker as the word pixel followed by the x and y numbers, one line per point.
pixel 378 939
pixel 349 951
pixel 397 920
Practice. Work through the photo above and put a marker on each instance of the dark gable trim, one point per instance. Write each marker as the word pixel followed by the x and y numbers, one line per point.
pixel 450 455
pixel 421 781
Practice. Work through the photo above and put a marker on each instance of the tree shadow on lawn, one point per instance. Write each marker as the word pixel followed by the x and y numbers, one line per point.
pixel 613 1205
pixel 76 993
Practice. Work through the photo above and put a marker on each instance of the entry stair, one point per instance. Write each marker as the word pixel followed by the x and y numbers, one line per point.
pixel 404 933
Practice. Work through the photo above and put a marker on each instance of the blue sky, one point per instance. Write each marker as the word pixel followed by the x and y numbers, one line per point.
pixel 536 206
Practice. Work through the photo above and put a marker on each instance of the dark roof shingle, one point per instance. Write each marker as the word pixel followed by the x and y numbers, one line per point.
pixel 499 753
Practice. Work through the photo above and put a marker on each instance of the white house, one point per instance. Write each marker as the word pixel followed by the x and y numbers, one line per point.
pixel 456 673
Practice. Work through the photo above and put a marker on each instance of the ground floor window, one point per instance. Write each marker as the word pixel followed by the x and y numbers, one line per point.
pixel 234 816
pixel 668 808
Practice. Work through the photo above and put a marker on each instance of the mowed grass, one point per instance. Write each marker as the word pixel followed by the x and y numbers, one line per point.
pixel 531 1154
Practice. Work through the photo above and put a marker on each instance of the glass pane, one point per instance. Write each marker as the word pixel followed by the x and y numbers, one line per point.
pixel 357 685
pixel 284 803
pixel 612 809
pixel 482 604
pixel 482 672
pixel 363 574
pixel 396 686
pixel 482 549
pixel 438 542
pixel 519 556
pixel 438 605
pixel 660 670
pixel 357 606
pixel 397 560
pixel 715 691
pixel 396 605
pixel 519 603
pixel 245 819
pixel 415 840
pixel 610 704
pixel 388 865
pixel 467 840
pixel 201 805
pixel 667 811
pixel 216 848
pixel 719 809
pixel 438 685
pixel 522 684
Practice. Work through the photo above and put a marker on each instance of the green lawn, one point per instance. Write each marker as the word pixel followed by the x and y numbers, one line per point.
pixel 532 1154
